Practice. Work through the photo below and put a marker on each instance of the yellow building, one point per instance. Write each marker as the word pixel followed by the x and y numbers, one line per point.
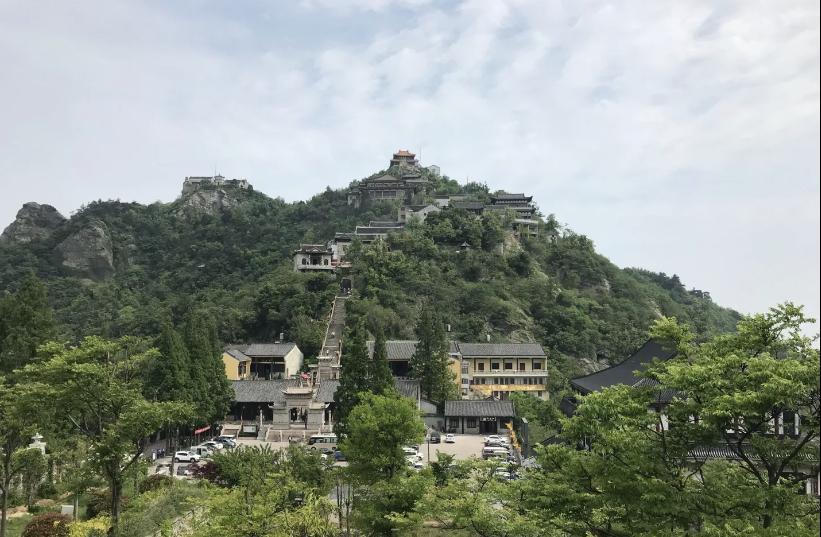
pixel 499 369
pixel 262 361
pixel 482 370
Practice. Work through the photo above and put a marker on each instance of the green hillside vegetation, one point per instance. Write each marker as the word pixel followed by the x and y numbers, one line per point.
pixel 235 265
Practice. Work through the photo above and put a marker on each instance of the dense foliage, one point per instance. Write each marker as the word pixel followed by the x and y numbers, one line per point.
pixel 234 265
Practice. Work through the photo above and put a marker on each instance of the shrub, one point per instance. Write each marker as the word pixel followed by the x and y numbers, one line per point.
pixel 47 525
pixel 154 482
pixel 96 527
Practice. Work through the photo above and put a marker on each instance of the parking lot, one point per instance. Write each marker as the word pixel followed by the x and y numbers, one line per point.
pixel 464 447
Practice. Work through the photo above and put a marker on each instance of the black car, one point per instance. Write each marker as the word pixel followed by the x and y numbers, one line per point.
pixel 435 438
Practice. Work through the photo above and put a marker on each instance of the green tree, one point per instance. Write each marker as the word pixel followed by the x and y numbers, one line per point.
pixel 378 427
pixel 211 390
pixel 641 474
pixel 170 377
pixel 429 362
pixel 95 387
pixel 746 387
pixel 355 378
pixel 32 467
pixel 26 322
pixel 380 375
pixel 15 431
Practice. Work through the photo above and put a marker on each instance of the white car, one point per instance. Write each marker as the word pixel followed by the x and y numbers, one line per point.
pixel 411 453
pixel 414 463
pixel 215 446
pixel 186 456
pixel 450 439
pixel 495 439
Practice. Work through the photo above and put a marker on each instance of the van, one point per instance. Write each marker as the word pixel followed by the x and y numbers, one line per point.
pixel 491 451
pixel 202 451
pixel 323 442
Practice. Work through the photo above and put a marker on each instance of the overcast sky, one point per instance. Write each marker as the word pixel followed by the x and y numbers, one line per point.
pixel 681 136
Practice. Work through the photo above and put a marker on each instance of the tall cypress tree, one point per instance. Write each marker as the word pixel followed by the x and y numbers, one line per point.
pixel 355 377
pixel 219 388
pixel 381 378
pixel 429 363
pixel 170 378
pixel 210 390
pixel 26 322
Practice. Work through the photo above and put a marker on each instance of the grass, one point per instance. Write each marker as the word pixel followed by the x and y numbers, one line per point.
pixel 15 525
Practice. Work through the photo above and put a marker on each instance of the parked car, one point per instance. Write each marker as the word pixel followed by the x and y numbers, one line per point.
pixel 495 452
pixel 450 438
pixel 186 456
pixel 414 463
pixel 339 456
pixel 412 453
pixel 435 438
pixel 495 440
pixel 202 450
pixel 214 445
pixel 227 441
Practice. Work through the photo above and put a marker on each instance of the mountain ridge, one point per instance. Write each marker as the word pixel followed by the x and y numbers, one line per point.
pixel 228 250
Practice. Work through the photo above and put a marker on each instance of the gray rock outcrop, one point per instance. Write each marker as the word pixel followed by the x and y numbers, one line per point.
pixel 33 222
pixel 212 201
pixel 89 251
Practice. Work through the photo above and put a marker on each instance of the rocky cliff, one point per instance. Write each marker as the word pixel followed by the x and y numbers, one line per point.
pixel 34 222
pixel 89 251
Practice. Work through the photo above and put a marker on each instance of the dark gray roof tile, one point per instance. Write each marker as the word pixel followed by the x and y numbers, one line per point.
pixel 484 408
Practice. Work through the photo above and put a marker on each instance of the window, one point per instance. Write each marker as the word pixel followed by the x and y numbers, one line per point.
pixel 537 365
pixel 522 366
pixel 465 368
pixel 324 261
pixel 304 261
pixel 509 365
pixel 471 423
pixel 481 366
pixel 465 381
pixel 494 366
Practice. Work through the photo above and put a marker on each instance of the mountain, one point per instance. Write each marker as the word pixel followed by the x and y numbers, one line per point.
pixel 117 268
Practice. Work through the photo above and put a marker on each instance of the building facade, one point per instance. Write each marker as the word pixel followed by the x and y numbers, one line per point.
pixel 500 369
pixel 262 361
pixel 314 257
pixel 482 417
pixel 403 157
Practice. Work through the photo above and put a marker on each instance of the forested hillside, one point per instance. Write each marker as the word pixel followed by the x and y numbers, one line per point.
pixel 117 268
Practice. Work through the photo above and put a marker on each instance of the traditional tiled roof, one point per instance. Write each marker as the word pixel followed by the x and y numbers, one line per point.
pixel 237 355
pixel 508 196
pixel 326 391
pixel 724 452
pixel 403 349
pixel 480 350
pixel 264 350
pixel 468 205
pixel 312 249
pixel 405 387
pixel 663 395
pixel 404 153
pixel 261 391
pixel 366 230
pixel 479 408
pixel 397 349
pixel 623 373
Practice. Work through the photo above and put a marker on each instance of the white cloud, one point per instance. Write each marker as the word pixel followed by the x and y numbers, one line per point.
pixel 680 136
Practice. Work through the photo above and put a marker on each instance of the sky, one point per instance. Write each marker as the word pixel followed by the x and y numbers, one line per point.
pixel 681 137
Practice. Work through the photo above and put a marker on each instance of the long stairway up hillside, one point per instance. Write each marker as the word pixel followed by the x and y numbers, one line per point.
pixel 336 325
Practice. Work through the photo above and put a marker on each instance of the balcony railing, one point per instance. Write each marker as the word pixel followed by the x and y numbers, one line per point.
pixel 510 373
